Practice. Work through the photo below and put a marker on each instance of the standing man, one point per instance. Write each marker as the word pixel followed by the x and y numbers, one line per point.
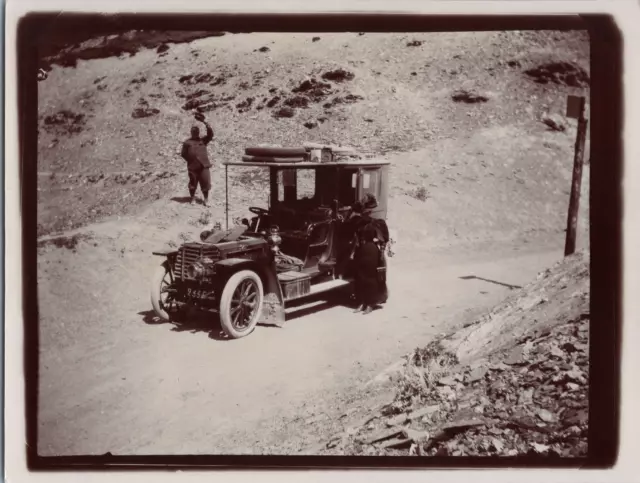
pixel 194 152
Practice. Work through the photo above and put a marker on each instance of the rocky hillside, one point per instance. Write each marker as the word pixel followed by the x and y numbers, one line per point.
pixel 470 108
pixel 512 383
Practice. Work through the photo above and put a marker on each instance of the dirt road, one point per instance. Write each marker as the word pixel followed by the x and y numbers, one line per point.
pixel 121 382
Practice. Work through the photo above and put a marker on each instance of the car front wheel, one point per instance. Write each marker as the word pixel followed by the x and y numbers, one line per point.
pixel 241 304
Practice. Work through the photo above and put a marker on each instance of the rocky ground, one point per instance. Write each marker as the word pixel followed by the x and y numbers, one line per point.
pixel 522 391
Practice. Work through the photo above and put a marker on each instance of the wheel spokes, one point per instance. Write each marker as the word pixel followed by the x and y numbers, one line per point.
pixel 243 304
pixel 168 302
pixel 246 289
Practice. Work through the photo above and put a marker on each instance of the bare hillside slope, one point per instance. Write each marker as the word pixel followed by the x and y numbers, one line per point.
pixel 471 103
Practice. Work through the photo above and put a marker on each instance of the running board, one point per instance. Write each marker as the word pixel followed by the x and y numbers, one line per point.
pixel 326 286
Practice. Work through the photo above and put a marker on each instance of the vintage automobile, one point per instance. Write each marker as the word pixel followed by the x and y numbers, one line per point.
pixel 292 249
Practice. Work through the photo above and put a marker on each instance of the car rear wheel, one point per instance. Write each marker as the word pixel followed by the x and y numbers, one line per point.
pixel 241 304
pixel 162 297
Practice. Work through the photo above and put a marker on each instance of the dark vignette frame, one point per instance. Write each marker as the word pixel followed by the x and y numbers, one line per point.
pixel 605 222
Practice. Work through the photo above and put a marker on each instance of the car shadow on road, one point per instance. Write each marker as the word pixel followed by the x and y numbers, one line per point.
pixel 198 321
pixel 194 322
pixel 321 302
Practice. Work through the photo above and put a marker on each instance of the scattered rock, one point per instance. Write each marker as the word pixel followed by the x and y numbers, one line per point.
pixel 65 122
pixel 264 49
pixel 245 105
pixel 574 417
pixel 540 448
pixel 334 442
pixel 284 112
pixel 310 124
pixel 525 397
pixel 477 374
pixel 414 43
pixel 556 352
pixel 422 412
pixel 561 73
pixel 273 101
pixel 297 101
pixel 415 436
pixel 142 112
pixel 314 90
pixel 515 357
pixel 397 421
pixel 348 99
pixel 395 443
pixel 191 79
pixel 348 412
pixel 315 39
pixel 468 97
pixel 546 416
pixel 447 381
pixel 463 424
pixel 338 75
pixel 382 435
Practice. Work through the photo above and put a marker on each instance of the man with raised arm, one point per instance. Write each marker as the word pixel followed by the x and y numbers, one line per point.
pixel 194 152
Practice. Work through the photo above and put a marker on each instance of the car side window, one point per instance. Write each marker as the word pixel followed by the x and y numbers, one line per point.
pixel 348 186
pixel 370 181
pixel 306 184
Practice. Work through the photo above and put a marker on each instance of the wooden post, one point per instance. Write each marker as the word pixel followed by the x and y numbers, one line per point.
pixel 226 194
pixel 576 183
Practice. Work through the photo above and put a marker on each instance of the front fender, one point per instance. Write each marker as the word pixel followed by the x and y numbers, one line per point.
pixel 165 252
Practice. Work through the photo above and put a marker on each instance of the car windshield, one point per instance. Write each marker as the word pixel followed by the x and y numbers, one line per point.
pixel 314 187
pixel 302 190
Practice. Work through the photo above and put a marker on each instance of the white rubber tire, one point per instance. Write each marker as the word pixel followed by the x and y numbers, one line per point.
pixel 226 320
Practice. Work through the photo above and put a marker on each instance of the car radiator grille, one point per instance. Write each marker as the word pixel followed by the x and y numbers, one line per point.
pixel 188 254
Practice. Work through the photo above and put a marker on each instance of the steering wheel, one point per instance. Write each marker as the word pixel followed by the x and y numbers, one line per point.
pixel 258 211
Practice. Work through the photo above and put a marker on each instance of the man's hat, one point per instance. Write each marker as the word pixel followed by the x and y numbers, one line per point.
pixel 369 201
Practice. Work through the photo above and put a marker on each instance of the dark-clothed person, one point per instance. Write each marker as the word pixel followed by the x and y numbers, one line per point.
pixel 194 152
pixel 369 203
pixel 368 285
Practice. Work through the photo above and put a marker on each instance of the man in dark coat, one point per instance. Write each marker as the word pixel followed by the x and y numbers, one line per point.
pixel 194 152
pixel 369 203
pixel 368 285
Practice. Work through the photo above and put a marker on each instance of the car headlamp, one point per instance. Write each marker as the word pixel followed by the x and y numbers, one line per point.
pixel 195 270
pixel 200 268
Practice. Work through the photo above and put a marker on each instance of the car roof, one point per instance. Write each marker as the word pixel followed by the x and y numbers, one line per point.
pixel 310 164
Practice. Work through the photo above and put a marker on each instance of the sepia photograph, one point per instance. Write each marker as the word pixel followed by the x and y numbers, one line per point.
pixel 335 243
